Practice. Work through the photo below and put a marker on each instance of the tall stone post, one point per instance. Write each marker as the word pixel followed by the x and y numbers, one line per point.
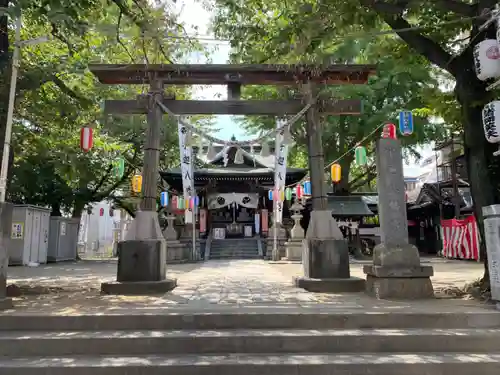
pixel 396 271
pixel 142 256
pixel 325 255
pixel 5 228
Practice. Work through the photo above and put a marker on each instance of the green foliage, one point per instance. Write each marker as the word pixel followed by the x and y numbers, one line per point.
pixel 403 81
pixel 57 96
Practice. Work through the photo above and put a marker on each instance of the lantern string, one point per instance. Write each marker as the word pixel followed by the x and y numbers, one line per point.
pixel 344 154
pixel 260 139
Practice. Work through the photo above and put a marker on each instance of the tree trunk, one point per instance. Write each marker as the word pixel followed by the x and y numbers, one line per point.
pixel 482 166
pixel 55 210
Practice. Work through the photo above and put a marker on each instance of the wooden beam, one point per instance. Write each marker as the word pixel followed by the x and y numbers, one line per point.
pixel 235 107
pixel 222 74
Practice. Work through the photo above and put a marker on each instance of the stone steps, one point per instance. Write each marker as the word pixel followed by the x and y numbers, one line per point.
pixel 130 343
pixel 251 318
pixel 264 364
pixel 252 341
pixel 234 249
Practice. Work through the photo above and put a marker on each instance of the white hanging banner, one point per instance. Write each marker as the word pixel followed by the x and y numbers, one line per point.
pixel 187 169
pixel 257 223
pixel 281 153
pixel 491 121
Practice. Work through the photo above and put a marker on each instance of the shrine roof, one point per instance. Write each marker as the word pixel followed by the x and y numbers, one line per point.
pixel 221 74
pixel 232 171
pixel 344 206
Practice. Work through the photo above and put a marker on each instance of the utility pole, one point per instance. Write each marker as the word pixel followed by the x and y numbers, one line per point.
pixel 12 100
pixel 10 111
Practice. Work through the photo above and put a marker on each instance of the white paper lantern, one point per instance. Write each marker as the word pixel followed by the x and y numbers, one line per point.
pixel 487 59
pixel 491 121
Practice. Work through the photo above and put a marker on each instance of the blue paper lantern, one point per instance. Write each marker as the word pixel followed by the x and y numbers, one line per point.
pixel 406 123
pixel 307 188
pixel 164 198
pixel 270 195
pixel 196 201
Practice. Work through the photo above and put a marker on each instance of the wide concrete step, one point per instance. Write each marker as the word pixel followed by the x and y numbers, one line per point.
pixel 252 318
pixel 233 256
pixel 15 344
pixel 244 364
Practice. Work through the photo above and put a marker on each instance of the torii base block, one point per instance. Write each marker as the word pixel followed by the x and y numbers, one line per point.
pixel 325 258
pixel 142 260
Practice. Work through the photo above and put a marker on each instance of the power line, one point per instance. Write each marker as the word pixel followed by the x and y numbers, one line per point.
pixel 357 35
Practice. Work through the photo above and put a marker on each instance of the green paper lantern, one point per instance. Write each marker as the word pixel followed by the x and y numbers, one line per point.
pixel 119 168
pixel 180 202
pixel 288 194
pixel 360 155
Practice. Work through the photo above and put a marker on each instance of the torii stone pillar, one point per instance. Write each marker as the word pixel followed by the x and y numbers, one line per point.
pixel 325 255
pixel 396 272
pixel 142 256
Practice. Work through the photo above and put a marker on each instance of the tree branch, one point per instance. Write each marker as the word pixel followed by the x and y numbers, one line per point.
pixel 363 179
pixel 458 7
pixel 422 44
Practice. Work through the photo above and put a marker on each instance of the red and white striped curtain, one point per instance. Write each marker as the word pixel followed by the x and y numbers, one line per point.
pixel 460 238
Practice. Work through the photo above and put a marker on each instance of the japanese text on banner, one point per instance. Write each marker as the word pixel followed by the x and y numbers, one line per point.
pixel 187 168
pixel 281 153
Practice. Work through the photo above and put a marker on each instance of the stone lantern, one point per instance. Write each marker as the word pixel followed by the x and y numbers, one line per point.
pixel 294 245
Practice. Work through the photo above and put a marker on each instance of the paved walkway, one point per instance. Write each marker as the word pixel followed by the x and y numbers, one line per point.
pixel 73 288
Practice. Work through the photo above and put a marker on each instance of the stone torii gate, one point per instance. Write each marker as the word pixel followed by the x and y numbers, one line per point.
pixel 142 256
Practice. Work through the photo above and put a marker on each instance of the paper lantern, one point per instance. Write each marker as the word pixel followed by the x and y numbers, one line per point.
pixel 174 202
pixel 119 168
pixel 186 203
pixel 307 188
pixel 299 191
pixel 487 59
pixel 491 121
pixel 86 139
pixel 288 194
pixel 164 198
pixel 281 195
pixel 336 172
pixel 270 195
pixel 389 131
pixel 406 123
pixel 360 155
pixel 180 202
pixel 137 183
pixel 194 202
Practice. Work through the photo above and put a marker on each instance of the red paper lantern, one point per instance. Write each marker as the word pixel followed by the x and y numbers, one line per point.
pixel 299 191
pixel 86 139
pixel 389 131
pixel 101 212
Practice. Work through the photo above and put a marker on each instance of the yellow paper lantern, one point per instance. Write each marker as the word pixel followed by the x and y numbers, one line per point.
pixel 137 183
pixel 336 172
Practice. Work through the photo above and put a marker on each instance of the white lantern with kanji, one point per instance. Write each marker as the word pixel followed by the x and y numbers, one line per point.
pixel 86 139
pixel 487 59
pixel 491 121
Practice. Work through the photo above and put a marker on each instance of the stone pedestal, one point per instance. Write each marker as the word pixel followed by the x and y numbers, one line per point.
pixel 176 252
pixel 396 272
pixel 325 258
pixel 5 228
pixel 294 246
pixel 170 233
pixel 141 259
pixel 293 250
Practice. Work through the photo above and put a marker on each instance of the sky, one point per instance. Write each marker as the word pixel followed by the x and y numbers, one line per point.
pixel 194 16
